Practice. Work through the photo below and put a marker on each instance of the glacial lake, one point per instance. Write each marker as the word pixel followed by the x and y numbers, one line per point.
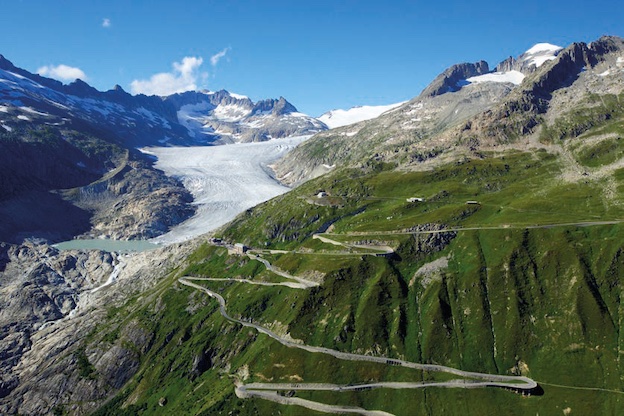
pixel 107 245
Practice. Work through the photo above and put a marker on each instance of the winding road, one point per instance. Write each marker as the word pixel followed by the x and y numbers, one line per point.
pixel 270 391
pixel 475 228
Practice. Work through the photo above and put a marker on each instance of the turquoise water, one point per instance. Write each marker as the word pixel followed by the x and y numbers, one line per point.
pixel 107 245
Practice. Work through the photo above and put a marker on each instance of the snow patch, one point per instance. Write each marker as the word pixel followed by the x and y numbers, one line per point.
pixel 414 108
pixel 339 118
pixel 21 117
pixel 17 75
pixel 297 114
pixel 541 60
pixel 7 128
pixel 231 112
pixel 605 73
pixel 620 61
pixel 543 47
pixel 191 116
pixel 4 109
pixel 33 111
pixel 514 77
pixel 541 53
pixel 238 96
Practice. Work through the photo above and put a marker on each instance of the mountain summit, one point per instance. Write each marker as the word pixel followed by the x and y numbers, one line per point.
pixel 224 117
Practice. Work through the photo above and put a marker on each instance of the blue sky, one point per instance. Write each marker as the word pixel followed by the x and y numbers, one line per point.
pixel 320 54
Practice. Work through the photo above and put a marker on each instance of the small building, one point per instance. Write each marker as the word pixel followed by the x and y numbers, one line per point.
pixel 240 248
pixel 472 203
pixel 415 199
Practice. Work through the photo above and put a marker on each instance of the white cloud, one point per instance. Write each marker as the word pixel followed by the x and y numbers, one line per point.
pixel 62 72
pixel 106 22
pixel 183 77
pixel 214 59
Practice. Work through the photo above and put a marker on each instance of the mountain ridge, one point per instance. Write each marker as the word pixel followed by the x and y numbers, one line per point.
pixel 499 113
pixel 140 120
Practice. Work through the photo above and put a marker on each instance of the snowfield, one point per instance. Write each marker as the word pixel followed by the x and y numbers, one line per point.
pixel 224 180
pixel 515 77
pixel 339 118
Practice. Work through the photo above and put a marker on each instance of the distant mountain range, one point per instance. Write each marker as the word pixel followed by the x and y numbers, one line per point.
pixel 197 117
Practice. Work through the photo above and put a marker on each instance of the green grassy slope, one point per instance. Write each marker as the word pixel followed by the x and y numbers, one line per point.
pixel 530 285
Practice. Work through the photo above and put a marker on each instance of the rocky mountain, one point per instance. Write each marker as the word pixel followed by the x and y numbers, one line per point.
pixel 460 112
pixel 58 182
pixel 181 119
pixel 68 159
pixel 460 254
pixel 531 60
pixel 450 80
pixel 222 117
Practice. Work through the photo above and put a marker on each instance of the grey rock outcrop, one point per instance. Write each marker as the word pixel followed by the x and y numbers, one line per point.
pixel 39 285
pixel 66 365
pixel 448 80
pixel 136 203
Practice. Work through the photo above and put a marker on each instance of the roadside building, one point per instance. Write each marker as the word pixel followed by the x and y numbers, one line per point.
pixel 240 248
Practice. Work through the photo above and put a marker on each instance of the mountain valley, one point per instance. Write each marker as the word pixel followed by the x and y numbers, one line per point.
pixel 459 253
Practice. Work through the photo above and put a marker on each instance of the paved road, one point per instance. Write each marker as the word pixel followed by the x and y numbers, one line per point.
pixel 292 285
pixel 377 249
pixel 268 391
pixel 497 227
pixel 304 282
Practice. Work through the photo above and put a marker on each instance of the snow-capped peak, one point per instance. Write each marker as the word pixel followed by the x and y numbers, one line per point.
pixel 541 53
pixel 543 47
pixel 339 118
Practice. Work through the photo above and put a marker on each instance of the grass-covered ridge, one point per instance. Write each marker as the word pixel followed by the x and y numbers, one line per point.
pixel 527 283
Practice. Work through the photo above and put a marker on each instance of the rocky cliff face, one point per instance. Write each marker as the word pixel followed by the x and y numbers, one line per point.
pixel 48 309
pixel 450 79
pixel 40 285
